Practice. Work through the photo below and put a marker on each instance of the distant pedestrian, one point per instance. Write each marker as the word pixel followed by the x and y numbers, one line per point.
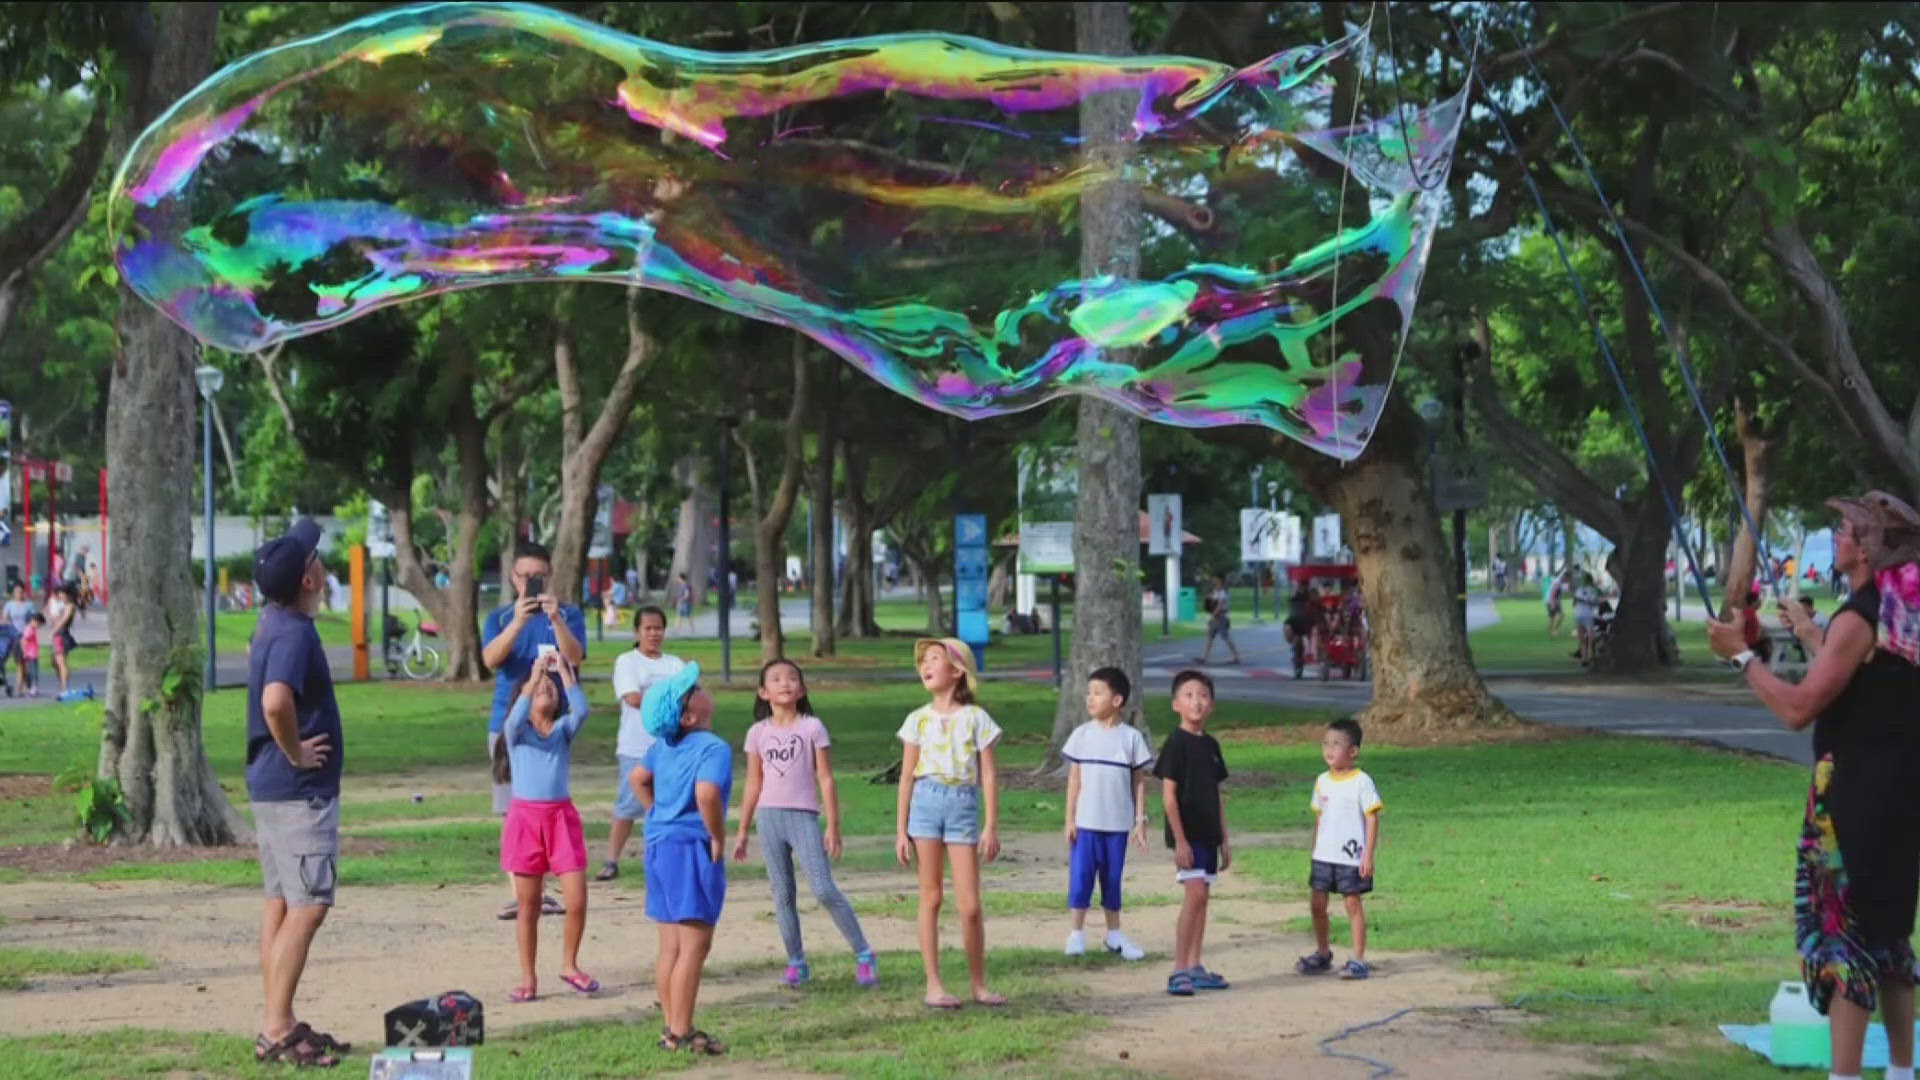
pixel 1219 621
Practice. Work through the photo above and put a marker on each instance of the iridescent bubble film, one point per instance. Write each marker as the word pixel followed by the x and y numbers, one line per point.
pixel 912 202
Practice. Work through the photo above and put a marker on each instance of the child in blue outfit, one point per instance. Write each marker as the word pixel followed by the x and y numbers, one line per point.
pixel 683 783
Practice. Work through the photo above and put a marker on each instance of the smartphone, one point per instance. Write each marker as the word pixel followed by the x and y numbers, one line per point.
pixel 545 649
pixel 537 585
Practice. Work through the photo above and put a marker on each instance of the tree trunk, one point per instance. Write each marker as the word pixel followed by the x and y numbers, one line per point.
pixel 1737 572
pixel 694 536
pixel 928 577
pixel 509 489
pixel 856 589
pixel 1423 672
pixel 151 736
pixel 821 595
pixel 454 608
pixel 770 532
pixel 1106 536
pixel 584 449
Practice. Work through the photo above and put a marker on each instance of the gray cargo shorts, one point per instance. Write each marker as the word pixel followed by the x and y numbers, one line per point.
pixel 299 849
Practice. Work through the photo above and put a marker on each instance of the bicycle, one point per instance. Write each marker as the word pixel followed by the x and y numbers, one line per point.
pixel 409 653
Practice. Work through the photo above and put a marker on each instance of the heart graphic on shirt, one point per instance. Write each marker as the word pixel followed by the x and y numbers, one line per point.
pixel 783 755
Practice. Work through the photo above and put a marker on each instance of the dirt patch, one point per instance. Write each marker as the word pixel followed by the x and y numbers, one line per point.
pixel 24 786
pixel 383 946
pixel 1727 915
pixel 75 857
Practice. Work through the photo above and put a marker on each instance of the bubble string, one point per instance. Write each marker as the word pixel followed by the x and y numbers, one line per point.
pixel 911 202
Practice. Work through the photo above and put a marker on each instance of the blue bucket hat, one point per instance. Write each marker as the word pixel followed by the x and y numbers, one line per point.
pixel 660 710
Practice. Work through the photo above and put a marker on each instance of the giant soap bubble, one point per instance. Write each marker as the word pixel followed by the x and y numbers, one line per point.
pixel 912 202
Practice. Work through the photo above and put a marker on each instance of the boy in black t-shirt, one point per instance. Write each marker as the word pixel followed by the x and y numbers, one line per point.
pixel 1190 769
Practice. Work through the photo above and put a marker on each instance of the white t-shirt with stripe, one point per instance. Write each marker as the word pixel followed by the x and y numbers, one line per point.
pixel 1108 757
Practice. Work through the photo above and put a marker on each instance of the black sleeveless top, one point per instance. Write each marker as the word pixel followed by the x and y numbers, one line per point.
pixel 1873 732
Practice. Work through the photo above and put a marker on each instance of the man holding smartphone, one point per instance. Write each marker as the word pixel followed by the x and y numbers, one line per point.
pixel 515 635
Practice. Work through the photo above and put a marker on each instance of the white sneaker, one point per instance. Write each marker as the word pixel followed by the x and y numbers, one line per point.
pixel 1077 943
pixel 1118 943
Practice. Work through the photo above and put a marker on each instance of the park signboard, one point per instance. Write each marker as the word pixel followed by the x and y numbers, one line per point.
pixel 1164 527
pixel 1049 488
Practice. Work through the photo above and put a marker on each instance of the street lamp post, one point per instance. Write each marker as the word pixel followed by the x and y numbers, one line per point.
pixel 1253 500
pixel 209 379
pixel 1431 410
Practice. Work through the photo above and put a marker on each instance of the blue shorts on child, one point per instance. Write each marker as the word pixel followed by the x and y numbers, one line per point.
pixel 684 884
pixel 949 813
pixel 1095 854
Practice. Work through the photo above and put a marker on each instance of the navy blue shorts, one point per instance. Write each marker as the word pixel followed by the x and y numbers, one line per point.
pixel 1100 855
pixel 1206 864
pixel 684 884
pixel 1339 878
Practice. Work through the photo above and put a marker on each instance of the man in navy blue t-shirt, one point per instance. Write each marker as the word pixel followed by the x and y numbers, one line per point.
pixel 512 639
pixel 294 753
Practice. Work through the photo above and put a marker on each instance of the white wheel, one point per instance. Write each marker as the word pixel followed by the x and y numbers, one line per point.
pixel 422 663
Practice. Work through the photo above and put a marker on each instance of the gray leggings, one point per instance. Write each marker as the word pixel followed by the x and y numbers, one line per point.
pixel 785 834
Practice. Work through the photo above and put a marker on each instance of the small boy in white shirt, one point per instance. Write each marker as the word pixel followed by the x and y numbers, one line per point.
pixel 635 670
pixel 1346 830
pixel 1106 802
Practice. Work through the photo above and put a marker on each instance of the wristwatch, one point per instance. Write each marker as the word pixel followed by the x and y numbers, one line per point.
pixel 1741 659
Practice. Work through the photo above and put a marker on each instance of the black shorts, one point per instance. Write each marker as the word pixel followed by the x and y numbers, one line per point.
pixel 1301 625
pixel 1339 878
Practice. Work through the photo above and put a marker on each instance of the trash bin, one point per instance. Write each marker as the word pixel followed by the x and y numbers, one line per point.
pixel 1188 609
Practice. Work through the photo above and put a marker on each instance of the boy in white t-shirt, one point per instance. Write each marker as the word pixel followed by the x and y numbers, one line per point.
pixel 1346 830
pixel 1106 801
pixel 635 670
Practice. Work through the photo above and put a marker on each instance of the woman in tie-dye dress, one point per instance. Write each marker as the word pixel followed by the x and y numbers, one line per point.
pixel 1858 872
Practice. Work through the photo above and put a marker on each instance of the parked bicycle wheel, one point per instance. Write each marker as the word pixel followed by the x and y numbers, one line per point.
pixel 422 662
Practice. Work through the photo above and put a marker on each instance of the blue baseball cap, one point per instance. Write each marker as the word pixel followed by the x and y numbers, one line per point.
pixel 281 563
pixel 660 710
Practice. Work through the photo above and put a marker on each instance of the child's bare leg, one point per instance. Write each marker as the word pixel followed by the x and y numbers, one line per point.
pixel 1322 937
pixel 1193 919
pixel 574 888
pixel 973 923
pixel 1846 1035
pixel 1199 927
pixel 1078 916
pixel 696 939
pixel 931 856
pixel 1357 918
pixel 663 965
pixel 526 930
pixel 1113 919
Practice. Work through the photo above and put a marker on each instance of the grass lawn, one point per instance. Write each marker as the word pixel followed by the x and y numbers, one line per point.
pixel 1633 892
pixel 17 964
pixel 1518 643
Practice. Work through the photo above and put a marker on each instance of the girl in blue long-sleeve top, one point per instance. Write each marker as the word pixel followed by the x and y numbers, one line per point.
pixel 542 832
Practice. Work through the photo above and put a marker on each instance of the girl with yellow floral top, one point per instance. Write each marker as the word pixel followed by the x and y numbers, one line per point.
pixel 947 774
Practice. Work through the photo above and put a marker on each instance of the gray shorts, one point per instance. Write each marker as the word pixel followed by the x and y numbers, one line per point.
pixel 502 793
pixel 299 849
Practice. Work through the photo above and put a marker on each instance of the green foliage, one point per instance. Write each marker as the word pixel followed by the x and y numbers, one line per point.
pixel 99 808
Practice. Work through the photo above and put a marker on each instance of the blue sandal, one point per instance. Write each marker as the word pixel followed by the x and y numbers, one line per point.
pixel 1180 984
pixel 1355 969
pixel 1208 980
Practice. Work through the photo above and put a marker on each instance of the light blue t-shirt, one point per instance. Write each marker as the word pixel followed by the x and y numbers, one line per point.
pixel 677 769
pixel 540 762
pixel 526 648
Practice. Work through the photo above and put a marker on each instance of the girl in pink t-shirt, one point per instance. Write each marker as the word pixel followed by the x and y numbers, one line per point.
pixel 790 783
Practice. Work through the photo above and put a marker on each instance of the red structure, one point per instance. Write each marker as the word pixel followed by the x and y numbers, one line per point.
pixel 55 473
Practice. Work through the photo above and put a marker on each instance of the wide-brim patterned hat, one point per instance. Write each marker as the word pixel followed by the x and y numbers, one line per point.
pixel 959 652
pixel 1887 528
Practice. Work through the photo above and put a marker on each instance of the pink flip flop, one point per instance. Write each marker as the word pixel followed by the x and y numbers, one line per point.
pixel 582 983
pixel 944 1001
pixel 521 995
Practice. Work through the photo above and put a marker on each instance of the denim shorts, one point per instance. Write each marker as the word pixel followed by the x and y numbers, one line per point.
pixel 946 812
pixel 626 806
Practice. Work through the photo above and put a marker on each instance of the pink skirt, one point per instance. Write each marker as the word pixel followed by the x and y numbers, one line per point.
pixel 542 838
